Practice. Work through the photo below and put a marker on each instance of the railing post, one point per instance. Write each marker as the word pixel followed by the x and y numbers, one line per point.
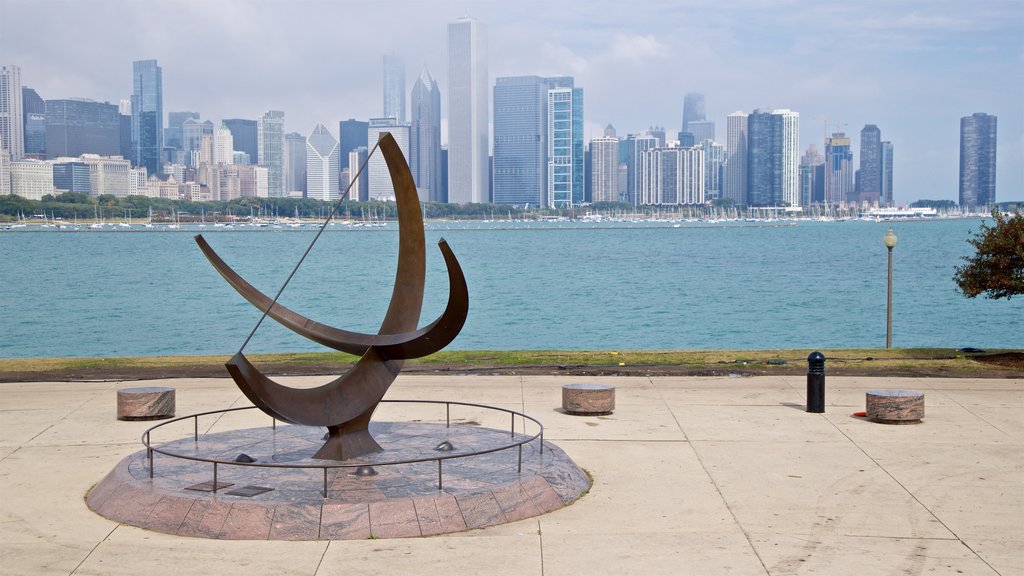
pixel 195 420
pixel 447 415
pixel 325 483
pixel 215 477
pixel 440 482
pixel 816 382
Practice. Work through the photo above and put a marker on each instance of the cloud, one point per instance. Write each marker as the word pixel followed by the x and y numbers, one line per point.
pixel 636 48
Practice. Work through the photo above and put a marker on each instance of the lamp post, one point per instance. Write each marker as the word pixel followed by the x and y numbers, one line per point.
pixel 890 243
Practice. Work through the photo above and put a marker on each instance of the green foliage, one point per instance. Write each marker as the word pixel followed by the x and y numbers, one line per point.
pixel 933 204
pixel 997 269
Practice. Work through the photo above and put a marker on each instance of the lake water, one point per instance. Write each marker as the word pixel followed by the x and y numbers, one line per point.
pixel 551 286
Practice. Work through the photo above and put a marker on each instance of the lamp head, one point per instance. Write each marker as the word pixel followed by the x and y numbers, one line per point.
pixel 890 239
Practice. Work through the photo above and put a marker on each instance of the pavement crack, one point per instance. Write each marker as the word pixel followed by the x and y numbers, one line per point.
pixel 322 556
pixel 105 538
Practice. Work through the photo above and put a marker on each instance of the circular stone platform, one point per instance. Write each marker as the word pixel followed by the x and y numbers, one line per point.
pixel 895 406
pixel 401 500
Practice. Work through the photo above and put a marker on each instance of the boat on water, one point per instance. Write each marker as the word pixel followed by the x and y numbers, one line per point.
pixel 889 214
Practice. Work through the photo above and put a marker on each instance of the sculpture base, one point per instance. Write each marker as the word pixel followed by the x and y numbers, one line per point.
pixel 401 500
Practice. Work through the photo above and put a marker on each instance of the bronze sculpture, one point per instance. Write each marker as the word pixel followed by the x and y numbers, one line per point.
pixel 346 404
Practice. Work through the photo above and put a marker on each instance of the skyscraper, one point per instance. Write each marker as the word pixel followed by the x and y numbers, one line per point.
pixel 351 135
pixel 378 178
pixel 565 146
pixel 786 158
pixel 394 88
pixel 34 125
pixel 245 136
pixel 886 150
pixel 978 160
pixel 520 140
pixel 321 165
pixel 870 173
pixel 270 141
pixel 714 160
pixel 76 127
pixel 295 164
pixel 693 110
pixel 812 175
pixel 702 130
pixel 672 176
pixel 759 158
pixel 604 154
pixel 468 133
pixel 425 139
pixel 223 146
pixel 147 114
pixel 838 169
pixel 12 137
pixel 636 145
pixel 172 134
pixel 736 158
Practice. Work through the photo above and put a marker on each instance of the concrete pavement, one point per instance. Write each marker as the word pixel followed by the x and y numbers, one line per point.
pixel 691 476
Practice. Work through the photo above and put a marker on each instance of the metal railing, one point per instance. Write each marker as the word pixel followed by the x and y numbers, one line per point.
pixel 334 465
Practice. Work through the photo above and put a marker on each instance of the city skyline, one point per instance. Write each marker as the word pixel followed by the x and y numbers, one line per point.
pixel 914 70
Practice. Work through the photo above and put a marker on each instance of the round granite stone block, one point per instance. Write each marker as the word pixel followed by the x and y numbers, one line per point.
pixel 147 403
pixel 895 406
pixel 588 399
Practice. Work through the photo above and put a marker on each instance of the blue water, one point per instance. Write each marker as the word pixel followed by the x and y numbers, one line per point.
pixel 812 285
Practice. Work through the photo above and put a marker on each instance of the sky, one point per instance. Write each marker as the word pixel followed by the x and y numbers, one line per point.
pixel 913 68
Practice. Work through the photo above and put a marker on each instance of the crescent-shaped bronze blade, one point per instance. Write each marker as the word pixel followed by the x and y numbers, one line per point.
pixel 423 342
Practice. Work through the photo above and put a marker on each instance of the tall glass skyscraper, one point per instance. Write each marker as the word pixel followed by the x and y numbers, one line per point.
pixel 978 160
pixel 76 127
pixel 34 125
pixel 394 88
pixel 869 177
pixel 425 139
pixel 886 151
pixel 147 114
pixel 736 157
pixel 693 110
pixel 838 169
pixel 244 134
pixel 295 164
pixel 773 162
pixel 538 141
pixel 270 141
pixel 172 134
pixel 468 98
pixel 351 135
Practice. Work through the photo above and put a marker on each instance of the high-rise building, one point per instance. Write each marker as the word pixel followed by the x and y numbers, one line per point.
pixel 360 190
pixel 76 127
pixel 870 172
pixel 321 165
pixel 34 124
pixel 604 154
pixel 693 110
pixel 785 158
pixel 838 169
pixel 565 147
pixel 812 176
pixel 714 164
pixel 394 88
pixel 172 133
pixel 12 122
pixel 672 176
pixel 425 139
pixel 520 140
pixel 223 146
pixel 759 158
pixel 886 193
pixel 702 130
pixel 147 114
pixel 245 136
pixel 351 135
pixel 736 157
pixel 295 164
pixel 270 144
pixel 978 160
pixel 378 178
pixel 192 132
pixel 468 97
pixel 773 171
pixel 636 145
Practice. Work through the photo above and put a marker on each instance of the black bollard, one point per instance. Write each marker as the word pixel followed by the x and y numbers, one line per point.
pixel 816 382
